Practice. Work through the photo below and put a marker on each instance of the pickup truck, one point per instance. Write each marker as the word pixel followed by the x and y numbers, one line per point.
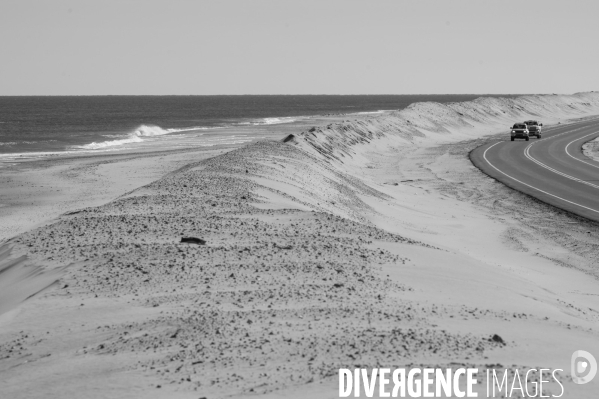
pixel 520 131
pixel 534 128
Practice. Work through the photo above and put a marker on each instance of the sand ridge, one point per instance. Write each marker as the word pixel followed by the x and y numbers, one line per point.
pixel 435 122
pixel 332 249
pixel 288 268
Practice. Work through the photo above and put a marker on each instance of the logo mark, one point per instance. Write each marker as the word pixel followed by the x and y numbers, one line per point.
pixel 583 367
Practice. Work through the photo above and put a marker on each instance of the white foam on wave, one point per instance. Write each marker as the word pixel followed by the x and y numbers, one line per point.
pixel 380 111
pixel 154 130
pixel 271 121
pixel 110 143
pixel 136 136
pixel 276 121
pixel 149 131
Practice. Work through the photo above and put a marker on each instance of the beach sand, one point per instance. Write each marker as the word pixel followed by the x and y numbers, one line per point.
pixel 356 243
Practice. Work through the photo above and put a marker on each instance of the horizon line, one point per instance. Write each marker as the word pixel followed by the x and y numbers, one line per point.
pixel 240 95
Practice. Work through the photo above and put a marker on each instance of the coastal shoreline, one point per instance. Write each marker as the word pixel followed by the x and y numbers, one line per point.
pixel 36 191
pixel 354 243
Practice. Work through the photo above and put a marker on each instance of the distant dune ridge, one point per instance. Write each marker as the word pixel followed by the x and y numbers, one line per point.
pixel 297 278
pixel 461 119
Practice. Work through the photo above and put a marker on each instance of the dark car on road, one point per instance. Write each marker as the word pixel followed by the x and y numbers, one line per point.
pixel 520 131
pixel 534 128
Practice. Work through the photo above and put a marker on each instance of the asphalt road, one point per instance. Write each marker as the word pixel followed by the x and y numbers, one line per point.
pixel 552 169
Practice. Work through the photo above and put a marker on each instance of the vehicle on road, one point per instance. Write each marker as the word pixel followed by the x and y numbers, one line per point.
pixel 534 128
pixel 520 131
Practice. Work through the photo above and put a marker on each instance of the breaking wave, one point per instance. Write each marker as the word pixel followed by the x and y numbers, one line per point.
pixel 110 143
pixel 275 121
pixel 149 131
pixel 136 136
pixel 271 121
pixel 143 132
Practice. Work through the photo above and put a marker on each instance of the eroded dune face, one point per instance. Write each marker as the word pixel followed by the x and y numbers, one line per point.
pixel 435 122
pixel 289 285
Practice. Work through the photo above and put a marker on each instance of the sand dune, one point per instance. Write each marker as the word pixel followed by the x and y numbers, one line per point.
pixel 362 243
pixel 447 122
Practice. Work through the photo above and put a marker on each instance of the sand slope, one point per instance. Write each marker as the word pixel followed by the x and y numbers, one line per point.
pixel 363 243
pixel 434 122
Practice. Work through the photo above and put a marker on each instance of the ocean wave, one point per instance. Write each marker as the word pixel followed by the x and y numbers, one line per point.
pixel 276 121
pixel 110 143
pixel 150 130
pixel 136 136
pixel 154 130
pixel 270 121
pixel 139 135
pixel 380 111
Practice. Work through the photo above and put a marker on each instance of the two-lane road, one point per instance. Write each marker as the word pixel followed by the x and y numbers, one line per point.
pixel 552 169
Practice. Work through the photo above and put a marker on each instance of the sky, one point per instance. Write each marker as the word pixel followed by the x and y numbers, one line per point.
pixel 298 47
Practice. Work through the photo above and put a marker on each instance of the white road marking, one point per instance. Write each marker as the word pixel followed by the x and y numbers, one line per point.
pixel 541 164
pixel 570 155
pixel 528 185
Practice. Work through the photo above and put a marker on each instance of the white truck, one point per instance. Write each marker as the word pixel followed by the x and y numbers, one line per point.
pixel 534 128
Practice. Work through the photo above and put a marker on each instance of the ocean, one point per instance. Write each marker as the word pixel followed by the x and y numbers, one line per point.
pixel 32 127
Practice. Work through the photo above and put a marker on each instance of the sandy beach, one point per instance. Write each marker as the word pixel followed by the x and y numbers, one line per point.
pixel 366 241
